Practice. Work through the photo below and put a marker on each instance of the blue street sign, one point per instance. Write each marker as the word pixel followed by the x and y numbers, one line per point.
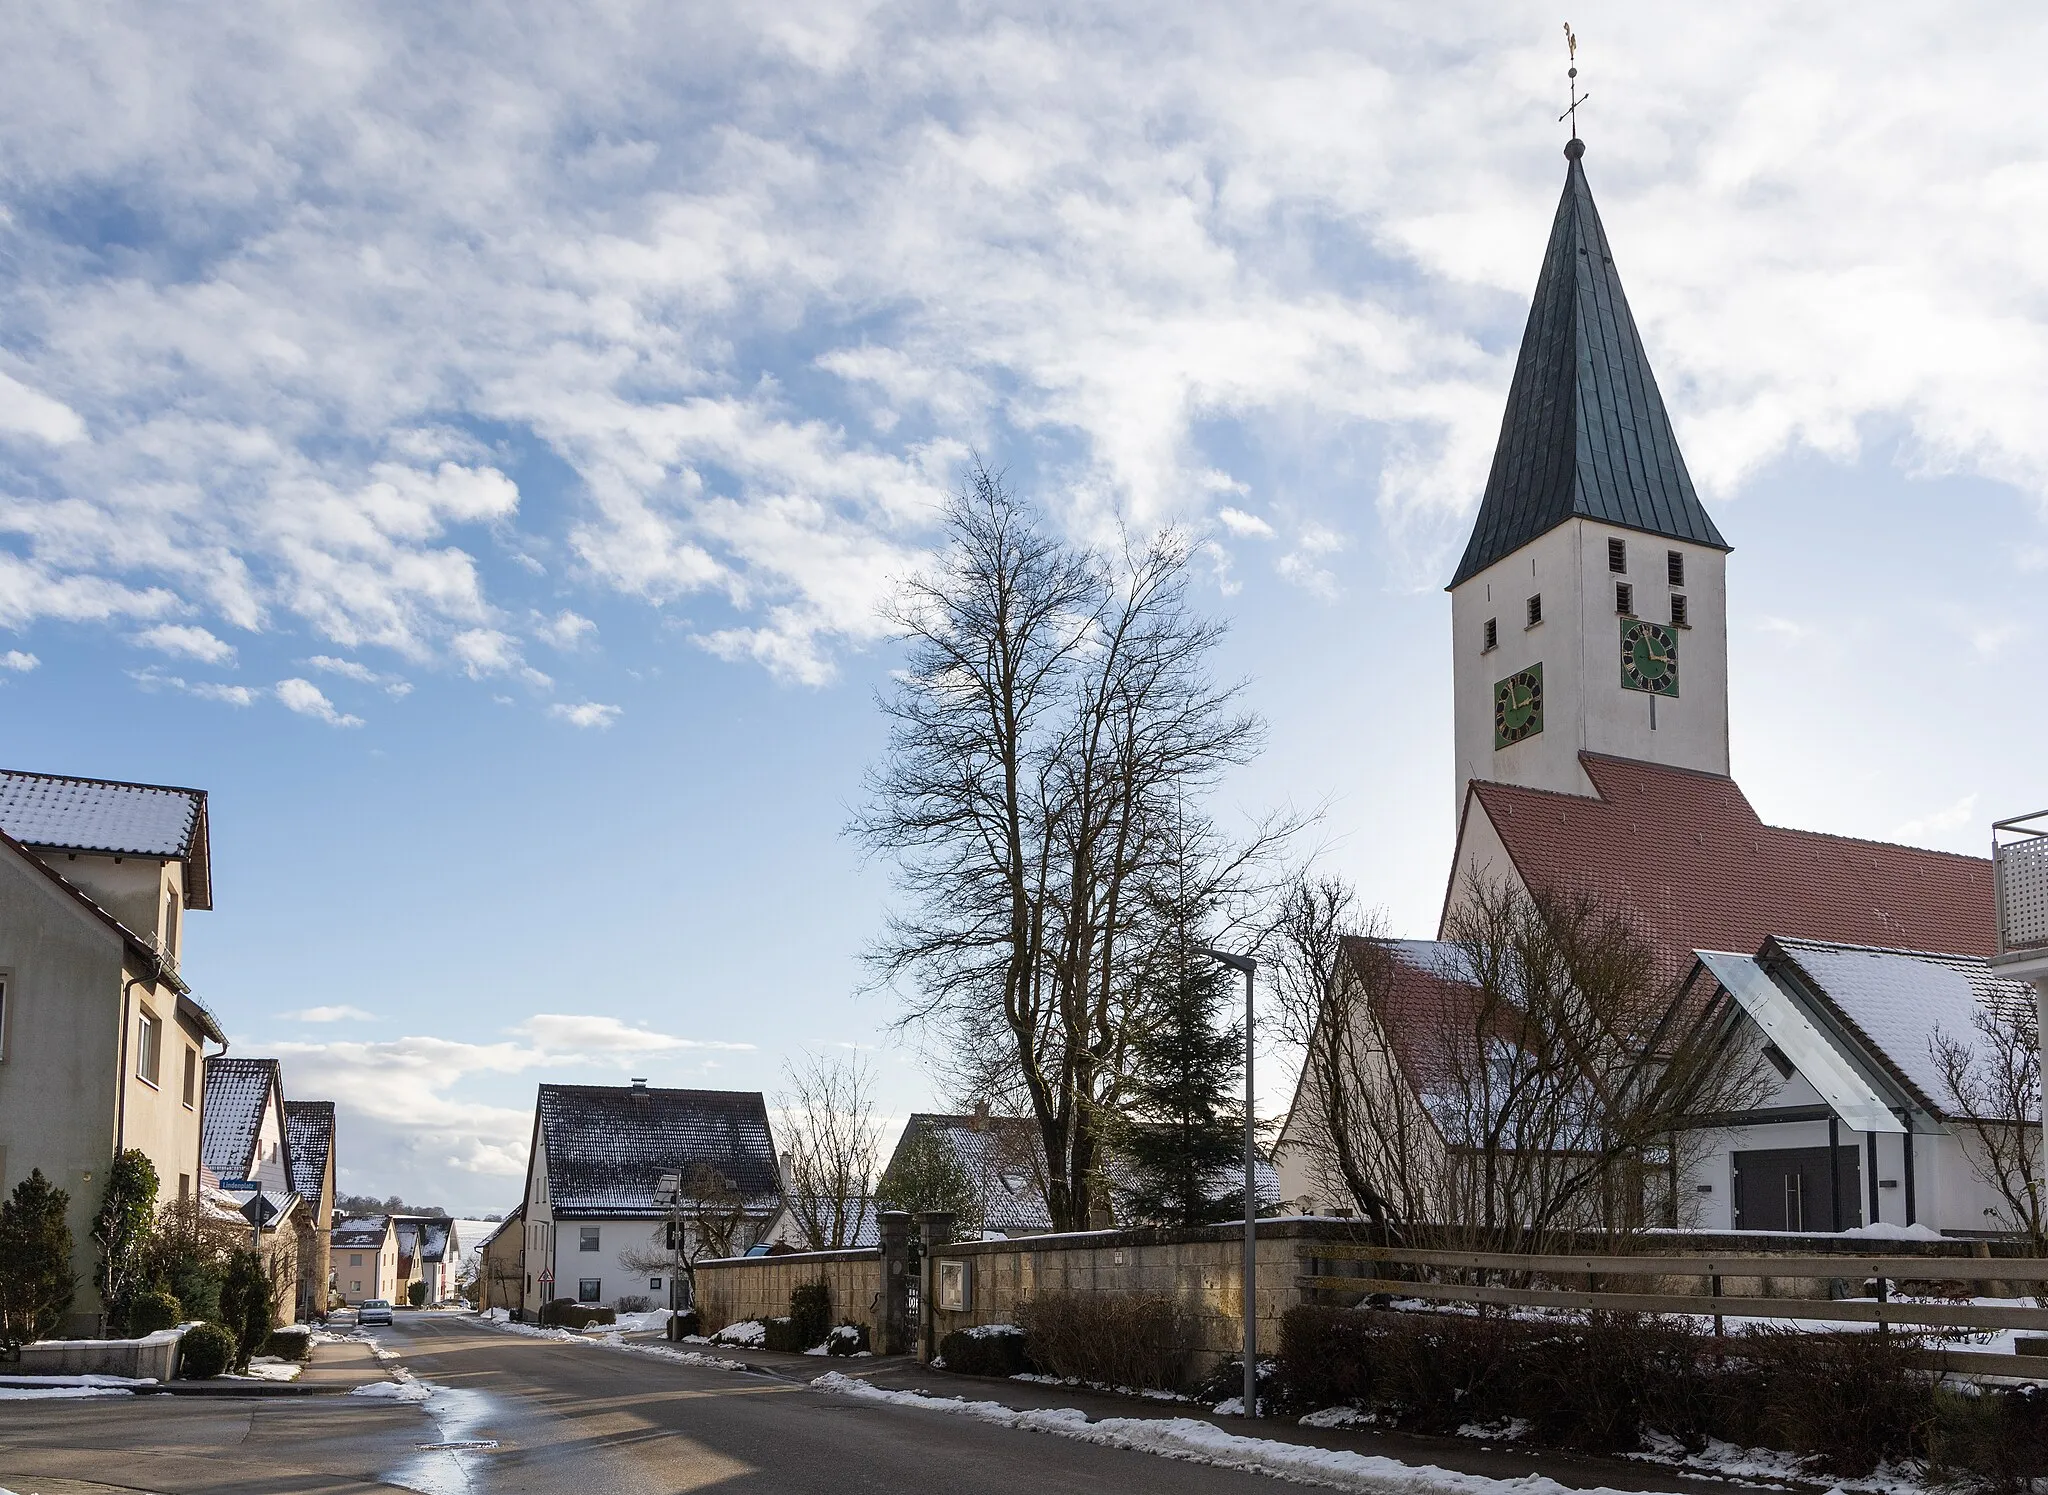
pixel 240 1183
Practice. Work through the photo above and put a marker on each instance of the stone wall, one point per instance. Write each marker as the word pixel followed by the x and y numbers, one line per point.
pixel 732 1290
pixel 152 1357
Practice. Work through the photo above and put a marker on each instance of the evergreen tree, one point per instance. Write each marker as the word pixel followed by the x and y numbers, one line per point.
pixel 925 1175
pixel 245 1304
pixel 122 1230
pixel 1184 1138
pixel 36 1280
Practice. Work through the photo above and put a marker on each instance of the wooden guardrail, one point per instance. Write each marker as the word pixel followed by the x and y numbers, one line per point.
pixel 1883 1310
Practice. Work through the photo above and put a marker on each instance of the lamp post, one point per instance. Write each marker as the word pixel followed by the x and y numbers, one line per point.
pixel 1250 968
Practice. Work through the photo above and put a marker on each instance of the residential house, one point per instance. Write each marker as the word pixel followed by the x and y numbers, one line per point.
pixel 365 1258
pixel 101 1039
pixel 860 1219
pixel 501 1264
pixel 429 1253
pixel 243 1140
pixel 406 1231
pixel 602 1175
pixel 471 1235
pixel 1589 620
pixel 309 1148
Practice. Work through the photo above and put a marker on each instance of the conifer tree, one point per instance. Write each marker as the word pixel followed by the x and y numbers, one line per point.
pixel 122 1230
pixel 36 1280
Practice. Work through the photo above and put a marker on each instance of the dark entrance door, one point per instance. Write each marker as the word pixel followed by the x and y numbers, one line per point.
pixel 1786 1188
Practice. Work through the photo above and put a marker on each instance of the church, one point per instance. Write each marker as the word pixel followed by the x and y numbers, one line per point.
pixel 1589 636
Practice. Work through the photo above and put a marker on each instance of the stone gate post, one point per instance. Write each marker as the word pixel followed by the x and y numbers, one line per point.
pixel 895 1326
pixel 936 1228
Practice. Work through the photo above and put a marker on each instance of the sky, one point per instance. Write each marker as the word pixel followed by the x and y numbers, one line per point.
pixel 472 443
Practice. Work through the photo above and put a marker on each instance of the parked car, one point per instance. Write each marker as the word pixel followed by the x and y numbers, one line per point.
pixel 373 1311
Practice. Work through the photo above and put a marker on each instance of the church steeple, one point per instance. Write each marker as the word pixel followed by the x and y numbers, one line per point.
pixel 1586 435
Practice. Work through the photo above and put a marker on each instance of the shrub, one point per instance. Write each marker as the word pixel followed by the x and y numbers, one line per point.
pixel 122 1229
pixel 986 1350
pixel 245 1305
pixel 147 1312
pixel 416 1294
pixel 1852 1400
pixel 1138 1340
pixel 782 1334
pixel 634 1303
pixel 1996 1435
pixel 36 1280
pixel 206 1351
pixel 810 1313
pixel 567 1313
pixel 847 1339
pixel 292 1342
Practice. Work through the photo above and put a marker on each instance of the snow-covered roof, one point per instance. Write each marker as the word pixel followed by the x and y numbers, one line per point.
pixel 309 1140
pixel 105 815
pixel 999 1155
pixel 360 1231
pixel 1896 1000
pixel 434 1237
pixel 232 1113
pixel 867 1222
pixel 608 1146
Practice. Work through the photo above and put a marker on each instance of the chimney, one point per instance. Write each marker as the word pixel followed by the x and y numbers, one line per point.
pixel 980 1123
pixel 640 1095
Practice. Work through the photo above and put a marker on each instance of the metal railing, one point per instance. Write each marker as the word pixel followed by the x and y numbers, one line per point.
pixel 1619 1283
pixel 2019 851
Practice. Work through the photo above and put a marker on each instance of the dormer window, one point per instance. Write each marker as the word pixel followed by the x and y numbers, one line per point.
pixel 1624 599
pixel 1678 611
pixel 1535 609
pixel 1617 555
pixel 1492 636
pixel 1674 567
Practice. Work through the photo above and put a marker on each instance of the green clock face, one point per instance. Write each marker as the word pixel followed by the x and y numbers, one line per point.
pixel 1649 657
pixel 1518 707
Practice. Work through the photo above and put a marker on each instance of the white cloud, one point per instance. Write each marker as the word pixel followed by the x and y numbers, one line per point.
pixel 154 679
pixel 29 412
pixel 329 1015
pixel 1304 564
pixel 186 641
pixel 484 652
pixel 16 660
pixel 392 685
pixel 565 630
pixel 570 1039
pixel 1243 525
pixel 1933 824
pixel 307 699
pixel 587 714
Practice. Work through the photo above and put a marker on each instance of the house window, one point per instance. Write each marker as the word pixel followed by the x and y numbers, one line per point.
pixel 169 940
pixel 1678 611
pixel 1624 599
pixel 355 1258
pixel 1492 635
pixel 184 1187
pixel 191 1076
pixel 1617 555
pixel 1535 609
pixel 588 1289
pixel 355 1287
pixel 1674 567
pixel 654 1284
pixel 149 1046
pixel 586 1238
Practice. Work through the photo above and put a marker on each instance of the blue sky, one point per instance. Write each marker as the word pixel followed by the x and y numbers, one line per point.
pixel 472 446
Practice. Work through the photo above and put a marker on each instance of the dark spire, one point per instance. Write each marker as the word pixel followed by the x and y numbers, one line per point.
pixel 1585 434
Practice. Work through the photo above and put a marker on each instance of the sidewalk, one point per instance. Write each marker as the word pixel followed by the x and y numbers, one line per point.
pixel 336 1369
pixel 1466 1456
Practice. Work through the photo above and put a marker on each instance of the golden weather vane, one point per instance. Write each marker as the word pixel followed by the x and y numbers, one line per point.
pixel 1571 43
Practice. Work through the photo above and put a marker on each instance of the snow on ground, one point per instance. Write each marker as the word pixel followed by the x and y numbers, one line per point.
pixel 58 1393
pixel 43 1383
pixel 395 1391
pixel 1204 1443
pixel 651 1322
pixel 748 1334
pixel 609 1338
pixel 271 1368
pixel 1765 1466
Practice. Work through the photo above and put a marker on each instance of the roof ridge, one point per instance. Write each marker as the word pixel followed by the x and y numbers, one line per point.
pixel 1925 851
pixel 1807 942
pixel 80 778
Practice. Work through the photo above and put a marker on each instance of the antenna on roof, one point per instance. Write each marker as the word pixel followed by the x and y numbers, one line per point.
pixel 1574 147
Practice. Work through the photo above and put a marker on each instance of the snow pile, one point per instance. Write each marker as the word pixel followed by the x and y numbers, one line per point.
pixel 271 1368
pixel 1338 1417
pixel 1885 1232
pixel 1204 1443
pixel 990 1331
pixel 496 1315
pixel 684 1357
pixel 650 1322
pixel 107 1383
pixel 747 1334
pixel 58 1393
pixel 394 1391
pixel 847 1335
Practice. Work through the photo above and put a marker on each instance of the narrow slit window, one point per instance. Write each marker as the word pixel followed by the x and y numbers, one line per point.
pixel 1617 555
pixel 1492 636
pixel 1674 567
pixel 1624 598
pixel 191 1093
pixel 1678 611
pixel 1535 609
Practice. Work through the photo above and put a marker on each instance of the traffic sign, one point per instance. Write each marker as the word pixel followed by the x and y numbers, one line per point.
pixel 240 1183
pixel 259 1211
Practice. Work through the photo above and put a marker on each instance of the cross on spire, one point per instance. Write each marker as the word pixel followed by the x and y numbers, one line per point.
pixel 1571 43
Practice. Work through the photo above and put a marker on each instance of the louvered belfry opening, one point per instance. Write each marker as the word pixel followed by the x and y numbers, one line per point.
pixel 1585 433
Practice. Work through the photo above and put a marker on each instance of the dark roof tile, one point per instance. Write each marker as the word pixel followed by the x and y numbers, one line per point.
pixel 608 1145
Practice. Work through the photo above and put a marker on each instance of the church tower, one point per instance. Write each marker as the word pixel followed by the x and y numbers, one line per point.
pixel 1589 613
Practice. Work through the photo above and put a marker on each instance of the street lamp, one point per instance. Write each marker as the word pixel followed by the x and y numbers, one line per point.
pixel 1251 1199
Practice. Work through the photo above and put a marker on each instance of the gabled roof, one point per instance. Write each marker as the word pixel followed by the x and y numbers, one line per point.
pixel 360 1231
pixel 1892 1002
pixel 309 1142
pixel 1585 434
pixel 999 1155
pixel 608 1146
pixel 434 1238
pixel 1688 858
pixel 106 815
pixel 867 1220
pixel 231 1114
pixel 517 1214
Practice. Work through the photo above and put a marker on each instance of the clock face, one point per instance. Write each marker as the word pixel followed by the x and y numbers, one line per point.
pixel 1649 657
pixel 1518 707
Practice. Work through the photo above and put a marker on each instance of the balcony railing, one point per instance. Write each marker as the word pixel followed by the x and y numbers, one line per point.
pixel 2020 867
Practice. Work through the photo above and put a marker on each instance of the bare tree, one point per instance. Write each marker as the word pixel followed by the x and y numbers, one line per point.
pixel 708 1218
pixel 1531 1075
pixel 832 1148
pixel 1992 1084
pixel 1054 709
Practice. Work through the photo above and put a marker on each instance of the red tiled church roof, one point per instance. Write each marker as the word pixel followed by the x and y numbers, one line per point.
pixel 1687 856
